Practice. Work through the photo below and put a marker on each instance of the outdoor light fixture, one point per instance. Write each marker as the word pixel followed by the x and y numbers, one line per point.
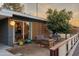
pixel 27 23
pixel 12 23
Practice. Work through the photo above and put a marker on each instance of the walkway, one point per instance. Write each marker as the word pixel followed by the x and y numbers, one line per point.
pixel 76 52
pixel 3 51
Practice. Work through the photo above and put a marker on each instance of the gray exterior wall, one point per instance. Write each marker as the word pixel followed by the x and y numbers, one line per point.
pixel 4 31
pixel 10 34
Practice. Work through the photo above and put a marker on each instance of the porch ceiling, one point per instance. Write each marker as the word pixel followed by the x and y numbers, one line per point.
pixel 4 14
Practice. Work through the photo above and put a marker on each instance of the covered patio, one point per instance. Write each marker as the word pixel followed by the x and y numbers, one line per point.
pixel 24 25
pixel 30 27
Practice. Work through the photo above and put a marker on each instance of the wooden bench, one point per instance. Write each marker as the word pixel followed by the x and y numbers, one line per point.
pixel 42 40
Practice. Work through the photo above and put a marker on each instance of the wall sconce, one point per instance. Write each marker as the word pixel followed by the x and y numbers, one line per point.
pixel 12 23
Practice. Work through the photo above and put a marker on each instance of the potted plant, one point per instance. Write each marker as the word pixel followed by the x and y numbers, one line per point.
pixel 21 42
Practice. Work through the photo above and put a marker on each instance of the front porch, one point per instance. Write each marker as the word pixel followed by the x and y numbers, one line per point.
pixel 29 50
pixel 68 47
pixel 32 49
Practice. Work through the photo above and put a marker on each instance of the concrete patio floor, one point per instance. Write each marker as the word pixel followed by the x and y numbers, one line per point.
pixel 30 50
pixel 3 51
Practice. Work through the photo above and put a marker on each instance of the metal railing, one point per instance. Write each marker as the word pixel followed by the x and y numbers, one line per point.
pixel 64 48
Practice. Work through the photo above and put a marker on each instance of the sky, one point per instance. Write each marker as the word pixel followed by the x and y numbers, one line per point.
pixel 43 7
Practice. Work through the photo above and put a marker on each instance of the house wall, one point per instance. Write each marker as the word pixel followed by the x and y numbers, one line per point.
pixel 4 31
pixel 39 28
pixel 1 32
pixel 11 32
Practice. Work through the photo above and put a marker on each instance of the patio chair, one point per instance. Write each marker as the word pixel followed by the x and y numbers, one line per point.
pixel 57 38
pixel 43 40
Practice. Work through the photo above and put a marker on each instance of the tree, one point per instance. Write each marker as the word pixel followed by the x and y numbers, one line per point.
pixel 13 6
pixel 58 21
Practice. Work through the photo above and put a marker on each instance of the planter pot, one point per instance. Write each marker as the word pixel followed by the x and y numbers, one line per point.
pixel 21 43
pixel 29 41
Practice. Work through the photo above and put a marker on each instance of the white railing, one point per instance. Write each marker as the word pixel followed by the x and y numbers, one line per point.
pixel 64 48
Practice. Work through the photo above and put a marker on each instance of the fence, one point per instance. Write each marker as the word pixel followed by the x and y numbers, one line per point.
pixel 64 48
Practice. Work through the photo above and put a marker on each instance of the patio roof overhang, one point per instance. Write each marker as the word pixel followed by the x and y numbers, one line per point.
pixel 4 13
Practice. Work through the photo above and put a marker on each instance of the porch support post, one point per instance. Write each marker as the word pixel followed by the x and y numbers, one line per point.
pixel 23 30
pixel 30 31
pixel 54 52
pixel 13 34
